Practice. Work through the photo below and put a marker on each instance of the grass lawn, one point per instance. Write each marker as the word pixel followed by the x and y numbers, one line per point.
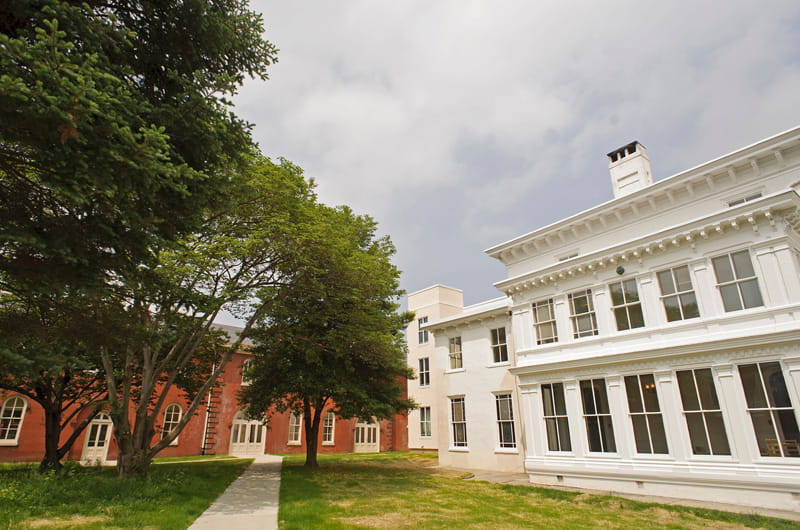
pixel 92 497
pixel 402 490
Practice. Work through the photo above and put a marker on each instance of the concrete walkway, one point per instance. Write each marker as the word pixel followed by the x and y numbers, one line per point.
pixel 250 502
pixel 521 479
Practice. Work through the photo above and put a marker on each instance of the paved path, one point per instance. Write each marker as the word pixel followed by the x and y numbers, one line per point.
pixel 250 502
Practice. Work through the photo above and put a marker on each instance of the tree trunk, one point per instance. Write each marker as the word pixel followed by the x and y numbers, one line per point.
pixel 135 463
pixel 52 434
pixel 312 436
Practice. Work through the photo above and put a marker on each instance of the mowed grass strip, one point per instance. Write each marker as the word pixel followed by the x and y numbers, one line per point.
pixel 173 496
pixel 405 490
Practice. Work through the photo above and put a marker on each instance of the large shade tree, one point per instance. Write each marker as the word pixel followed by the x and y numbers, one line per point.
pixel 116 141
pixel 333 337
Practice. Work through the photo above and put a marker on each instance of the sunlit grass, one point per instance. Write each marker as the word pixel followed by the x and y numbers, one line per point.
pixel 402 490
pixel 93 497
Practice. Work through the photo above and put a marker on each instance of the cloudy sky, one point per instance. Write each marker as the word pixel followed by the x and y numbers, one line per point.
pixel 461 124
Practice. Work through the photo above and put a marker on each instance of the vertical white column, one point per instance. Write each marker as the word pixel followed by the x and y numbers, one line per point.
pixel 522 327
pixel 623 433
pixel 705 287
pixel 533 427
pixel 602 308
pixel 734 413
pixel 577 431
pixel 669 400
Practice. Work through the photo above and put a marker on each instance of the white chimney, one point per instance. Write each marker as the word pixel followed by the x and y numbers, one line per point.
pixel 629 168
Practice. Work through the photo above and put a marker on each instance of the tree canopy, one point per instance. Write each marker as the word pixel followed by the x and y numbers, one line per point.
pixel 332 337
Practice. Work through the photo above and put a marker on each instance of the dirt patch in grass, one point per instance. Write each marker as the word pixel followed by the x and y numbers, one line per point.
pixel 64 522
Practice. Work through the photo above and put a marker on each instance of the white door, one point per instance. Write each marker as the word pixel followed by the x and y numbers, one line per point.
pixel 247 436
pixel 95 447
pixel 367 437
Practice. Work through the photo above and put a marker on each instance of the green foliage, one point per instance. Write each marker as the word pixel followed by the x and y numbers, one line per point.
pixel 172 497
pixel 333 333
pixel 396 490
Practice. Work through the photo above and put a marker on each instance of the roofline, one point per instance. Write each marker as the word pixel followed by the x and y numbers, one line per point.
pixel 435 285
pixel 784 136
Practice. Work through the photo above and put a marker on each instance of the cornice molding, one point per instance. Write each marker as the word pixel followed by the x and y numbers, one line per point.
pixel 784 205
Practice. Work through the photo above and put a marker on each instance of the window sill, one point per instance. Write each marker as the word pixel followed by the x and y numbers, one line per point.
pixel 9 443
pixel 506 451
pixel 293 443
pixel 497 365
pixel 458 449
pixel 328 444
pixel 455 370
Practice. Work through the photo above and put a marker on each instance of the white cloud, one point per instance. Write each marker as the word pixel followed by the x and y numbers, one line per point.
pixel 470 122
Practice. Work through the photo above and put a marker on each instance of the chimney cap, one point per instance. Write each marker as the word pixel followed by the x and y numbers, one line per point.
pixel 623 151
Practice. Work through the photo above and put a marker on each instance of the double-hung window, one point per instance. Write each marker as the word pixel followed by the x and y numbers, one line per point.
pixel 544 321
pixel 648 426
pixel 425 422
pixel 505 421
pixel 499 346
pixel 424 371
pixel 458 420
pixel 770 409
pixel 172 416
pixel 11 416
pixel 555 417
pixel 702 412
pixel 677 294
pixel 422 334
pixel 456 361
pixel 246 366
pixel 584 322
pixel 736 280
pixel 626 305
pixel 295 428
pixel 328 425
pixel 597 415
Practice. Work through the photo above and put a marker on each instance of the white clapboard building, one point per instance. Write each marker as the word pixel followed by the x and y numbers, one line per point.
pixel 648 345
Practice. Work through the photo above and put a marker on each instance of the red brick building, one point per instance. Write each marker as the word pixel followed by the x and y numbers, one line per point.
pixel 218 427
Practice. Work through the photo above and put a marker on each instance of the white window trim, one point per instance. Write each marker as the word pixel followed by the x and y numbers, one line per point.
pixel 332 441
pixel 499 448
pixel 299 439
pixel 245 365
pixel 429 422
pixel 180 417
pixel 15 440
pixel 453 446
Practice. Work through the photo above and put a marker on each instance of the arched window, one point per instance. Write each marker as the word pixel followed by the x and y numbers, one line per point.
pixel 172 416
pixel 11 416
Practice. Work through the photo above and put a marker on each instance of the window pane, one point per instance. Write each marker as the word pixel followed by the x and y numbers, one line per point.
pixel 563 431
pixel 657 435
pixel 776 386
pixel 636 317
pixel 640 433
pixel 730 297
pixel 722 269
pixel 593 434
pixel 588 397
pixel 716 431
pixel 621 316
pixel 742 264
pixel 631 293
pixel 649 393
pixel 666 283
pixel 581 303
pixel 607 432
pixel 561 406
pixel 697 433
pixel 751 384
pixel 707 391
pixel 600 395
pixel 682 278
pixel 687 388
pixel 552 434
pixel 634 398
pixel 547 400
pixel 689 303
pixel 751 294
pixel 616 294
pixel 767 439
pixel 672 308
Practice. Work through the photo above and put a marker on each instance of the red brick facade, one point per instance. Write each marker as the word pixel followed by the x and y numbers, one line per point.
pixel 216 422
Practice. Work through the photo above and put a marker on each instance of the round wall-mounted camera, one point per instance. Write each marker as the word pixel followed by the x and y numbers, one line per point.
pixel 620 270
